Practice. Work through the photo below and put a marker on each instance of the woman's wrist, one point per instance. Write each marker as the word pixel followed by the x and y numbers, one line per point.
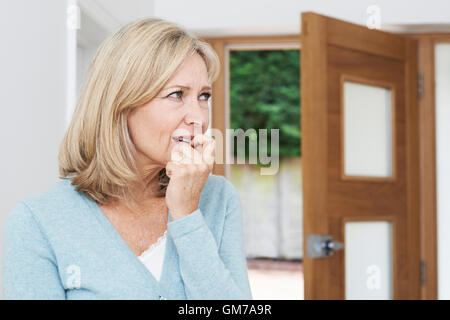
pixel 178 214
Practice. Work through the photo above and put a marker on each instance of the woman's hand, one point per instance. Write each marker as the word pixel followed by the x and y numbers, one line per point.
pixel 188 171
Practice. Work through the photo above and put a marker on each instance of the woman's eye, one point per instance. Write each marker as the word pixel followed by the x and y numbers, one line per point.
pixel 206 95
pixel 180 92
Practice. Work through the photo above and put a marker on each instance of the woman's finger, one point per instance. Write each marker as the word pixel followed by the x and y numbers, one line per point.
pixel 182 152
pixel 170 168
pixel 209 153
pixel 200 142
pixel 176 154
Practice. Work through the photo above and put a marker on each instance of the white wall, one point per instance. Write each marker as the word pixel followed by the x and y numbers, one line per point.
pixel 125 11
pixel 112 14
pixel 33 97
pixel 442 74
pixel 89 37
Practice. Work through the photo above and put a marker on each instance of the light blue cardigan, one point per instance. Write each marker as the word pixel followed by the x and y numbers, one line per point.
pixel 58 244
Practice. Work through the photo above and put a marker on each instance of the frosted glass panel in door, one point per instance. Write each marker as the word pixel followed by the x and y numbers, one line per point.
pixel 368 260
pixel 367 130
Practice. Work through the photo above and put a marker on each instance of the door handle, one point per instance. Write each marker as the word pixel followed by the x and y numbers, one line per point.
pixel 319 246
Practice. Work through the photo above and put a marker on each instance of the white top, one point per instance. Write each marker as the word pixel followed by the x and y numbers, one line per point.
pixel 153 257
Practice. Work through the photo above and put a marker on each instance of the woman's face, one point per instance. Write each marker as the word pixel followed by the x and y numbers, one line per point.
pixel 179 109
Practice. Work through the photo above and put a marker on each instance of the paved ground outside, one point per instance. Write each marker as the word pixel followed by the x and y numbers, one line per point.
pixel 275 279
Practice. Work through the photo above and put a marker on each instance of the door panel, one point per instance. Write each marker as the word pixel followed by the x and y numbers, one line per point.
pixel 367 105
pixel 336 53
pixel 368 259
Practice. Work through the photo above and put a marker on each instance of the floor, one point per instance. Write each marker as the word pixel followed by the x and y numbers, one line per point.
pixel 275 279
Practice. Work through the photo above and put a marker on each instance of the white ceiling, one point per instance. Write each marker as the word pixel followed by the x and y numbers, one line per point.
pixel 266 17
pixel 112 14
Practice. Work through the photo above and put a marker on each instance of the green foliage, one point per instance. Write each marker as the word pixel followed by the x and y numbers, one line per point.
pixel 265 94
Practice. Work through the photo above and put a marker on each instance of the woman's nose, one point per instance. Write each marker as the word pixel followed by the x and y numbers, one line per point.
pixel 196 113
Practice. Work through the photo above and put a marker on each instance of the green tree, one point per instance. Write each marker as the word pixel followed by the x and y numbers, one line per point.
pixel 265 94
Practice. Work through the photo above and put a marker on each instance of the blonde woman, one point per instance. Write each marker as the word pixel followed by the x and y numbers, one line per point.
pixel 137 213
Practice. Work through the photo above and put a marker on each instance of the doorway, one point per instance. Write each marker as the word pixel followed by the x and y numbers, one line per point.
pixel 263 91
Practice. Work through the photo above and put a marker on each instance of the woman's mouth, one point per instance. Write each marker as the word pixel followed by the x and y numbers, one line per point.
pixel 179 139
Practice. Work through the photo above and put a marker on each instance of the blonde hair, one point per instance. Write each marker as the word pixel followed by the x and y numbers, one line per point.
pixel 129 69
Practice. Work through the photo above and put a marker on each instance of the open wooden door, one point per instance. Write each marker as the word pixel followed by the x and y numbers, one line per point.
pixel 360 162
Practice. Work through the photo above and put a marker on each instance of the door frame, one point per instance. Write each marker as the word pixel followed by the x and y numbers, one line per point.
pixel 427 142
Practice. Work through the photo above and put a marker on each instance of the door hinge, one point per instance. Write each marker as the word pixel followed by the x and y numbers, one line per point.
pixel 423 270
pixel 420 85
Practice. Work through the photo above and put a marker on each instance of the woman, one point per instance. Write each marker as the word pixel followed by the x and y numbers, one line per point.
pixel 137 213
